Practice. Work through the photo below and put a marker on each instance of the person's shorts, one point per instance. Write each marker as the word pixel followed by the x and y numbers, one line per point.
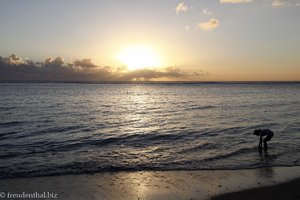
pixel 269 137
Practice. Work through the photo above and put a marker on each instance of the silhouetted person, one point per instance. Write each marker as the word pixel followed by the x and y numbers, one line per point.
pixel 261 133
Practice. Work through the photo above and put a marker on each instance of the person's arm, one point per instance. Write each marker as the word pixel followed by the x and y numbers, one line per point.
pixel 260 141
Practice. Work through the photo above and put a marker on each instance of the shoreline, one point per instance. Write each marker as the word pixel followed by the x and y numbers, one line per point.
pixel 200 184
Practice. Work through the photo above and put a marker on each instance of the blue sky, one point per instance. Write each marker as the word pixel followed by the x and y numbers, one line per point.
pixel 227 40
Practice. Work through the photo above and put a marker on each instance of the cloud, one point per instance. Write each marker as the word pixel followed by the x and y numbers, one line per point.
pixel 274 3
pixel 51 70
pixel 57 62
pixel 181 7
pixel 174 73
pixel 210 25
pixel 12 59
pixel 235 1
pixel 13 68
pixel 279 3
pixel 283 3
pixel 85 63
pixel 206 11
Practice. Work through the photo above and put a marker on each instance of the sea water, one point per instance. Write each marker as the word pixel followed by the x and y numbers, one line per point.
pixel 69 128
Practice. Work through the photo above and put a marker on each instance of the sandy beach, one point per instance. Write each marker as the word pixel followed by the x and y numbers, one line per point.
pixel 288 190
pixel 202 184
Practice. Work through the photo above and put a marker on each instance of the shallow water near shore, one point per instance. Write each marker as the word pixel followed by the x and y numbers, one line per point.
pixel 60 128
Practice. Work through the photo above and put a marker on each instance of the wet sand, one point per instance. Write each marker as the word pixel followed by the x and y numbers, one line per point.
pixel 283 191
pixel 150 185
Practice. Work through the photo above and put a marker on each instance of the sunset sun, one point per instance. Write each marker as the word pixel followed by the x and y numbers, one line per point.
pixel 138 57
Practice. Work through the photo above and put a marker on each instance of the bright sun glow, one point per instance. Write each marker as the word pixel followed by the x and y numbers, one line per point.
pixel 138 57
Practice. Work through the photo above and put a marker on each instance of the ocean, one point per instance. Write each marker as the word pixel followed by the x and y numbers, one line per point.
pixel 72 128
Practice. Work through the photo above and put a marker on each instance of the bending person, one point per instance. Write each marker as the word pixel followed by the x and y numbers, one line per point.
pixel 261 133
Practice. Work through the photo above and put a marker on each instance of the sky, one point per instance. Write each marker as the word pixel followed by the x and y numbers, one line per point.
pixel 190 40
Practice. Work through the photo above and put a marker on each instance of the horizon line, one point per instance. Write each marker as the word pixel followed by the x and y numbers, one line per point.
pixel 152 82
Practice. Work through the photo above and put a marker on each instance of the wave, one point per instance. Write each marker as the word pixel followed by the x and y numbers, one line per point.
pixel 201 107
pixel 63 129
pixel 7 134
pixel 237 152
pixel 4 108
pixel 205 146
pixel 11 123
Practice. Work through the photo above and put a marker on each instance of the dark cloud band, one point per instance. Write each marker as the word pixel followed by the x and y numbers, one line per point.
pixel 14 68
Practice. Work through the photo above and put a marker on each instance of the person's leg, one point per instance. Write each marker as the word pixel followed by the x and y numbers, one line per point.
pixel 260 149
pixel 268 138
pixel 265 145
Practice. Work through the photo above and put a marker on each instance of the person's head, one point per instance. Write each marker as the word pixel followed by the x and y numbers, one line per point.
pixel 257 132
